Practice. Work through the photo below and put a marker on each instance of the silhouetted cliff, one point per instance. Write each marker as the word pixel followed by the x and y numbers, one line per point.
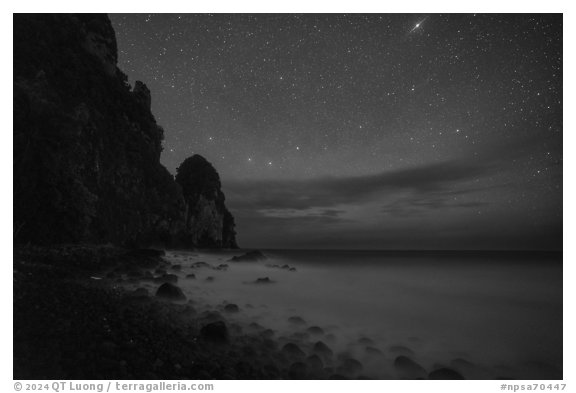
pixel 207 218
pixel 86 145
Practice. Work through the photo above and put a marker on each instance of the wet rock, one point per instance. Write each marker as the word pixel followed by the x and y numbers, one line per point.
pixel 235 329
pixel 323 351
pixel 408 369
pixel 315 363
pixel 297 370
pixel 216 332
pixel 271 371
pixel 267 334
pixel 352 367
pixel 445 373
pixel 365 341
pixel 255 326
pixel 292 269
pixel 296 321
pixel 331 338
pixel 191 276
pixel 285 267
pixel 209 279
pixel 315 330
pixel 200 264
pixel 177 267
pixel 251 256
pixel 292 350
pixel 263 280
pixel 160 271
pixel 231 308
pixel 170 291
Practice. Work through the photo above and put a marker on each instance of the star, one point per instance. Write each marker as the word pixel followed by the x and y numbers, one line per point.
pixel 417 25
pixel 335 113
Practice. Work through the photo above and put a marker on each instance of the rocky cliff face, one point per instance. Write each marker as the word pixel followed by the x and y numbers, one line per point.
pixel 207 218
pixel 87 147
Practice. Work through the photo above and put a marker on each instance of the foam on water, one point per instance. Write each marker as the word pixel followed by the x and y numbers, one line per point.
pixel 503 316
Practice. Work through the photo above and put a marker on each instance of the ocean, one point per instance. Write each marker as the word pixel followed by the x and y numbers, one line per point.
pixel 488 314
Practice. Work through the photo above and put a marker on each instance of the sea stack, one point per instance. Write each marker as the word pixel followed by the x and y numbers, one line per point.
pixel 209 224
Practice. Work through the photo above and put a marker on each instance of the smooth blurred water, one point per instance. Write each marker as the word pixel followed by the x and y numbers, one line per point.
pixel 501 312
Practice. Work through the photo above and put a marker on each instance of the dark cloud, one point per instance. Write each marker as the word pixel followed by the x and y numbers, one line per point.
pixel 419 204
pixel 442 205
pixel 330 191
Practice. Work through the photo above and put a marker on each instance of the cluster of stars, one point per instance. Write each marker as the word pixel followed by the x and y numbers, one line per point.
pixel 305 96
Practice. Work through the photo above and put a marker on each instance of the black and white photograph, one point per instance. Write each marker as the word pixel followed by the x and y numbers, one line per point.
pixel 288 196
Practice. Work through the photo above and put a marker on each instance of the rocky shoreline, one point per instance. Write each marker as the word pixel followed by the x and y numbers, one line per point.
pixel 78 316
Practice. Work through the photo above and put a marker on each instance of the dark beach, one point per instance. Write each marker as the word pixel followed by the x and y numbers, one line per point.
pixel 95 313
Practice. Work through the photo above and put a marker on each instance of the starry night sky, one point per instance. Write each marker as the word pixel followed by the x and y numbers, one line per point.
pixel 364 131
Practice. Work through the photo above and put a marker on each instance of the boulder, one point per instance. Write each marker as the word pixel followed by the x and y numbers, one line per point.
pixel 191 276
pixel 293 350
pixel 315 363
pixel 263 280
pixel 315 330
pixel 445 373
pixel 215 332
pixel 170 291
pixel 408 368
pixel 351 367
pixel 140 293
pixel 296 321
pixel 231 308
pixel 297 370
pixel 323 350
pixel 251 256
pixel 200 264
pixel 365 341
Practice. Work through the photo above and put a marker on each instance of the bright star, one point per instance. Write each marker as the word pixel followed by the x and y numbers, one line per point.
pixel 417 25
